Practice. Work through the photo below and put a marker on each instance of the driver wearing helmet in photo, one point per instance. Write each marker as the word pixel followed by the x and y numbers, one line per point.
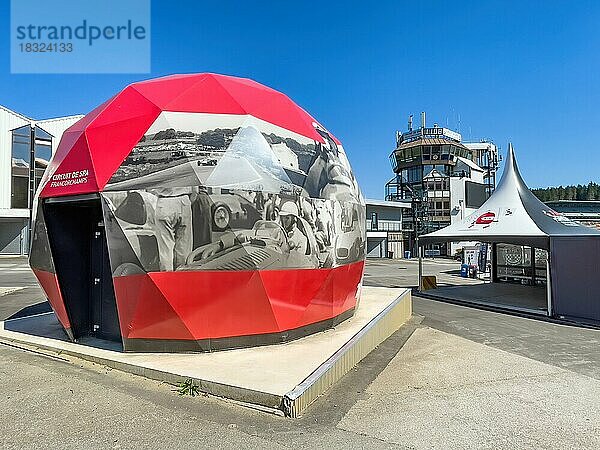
pixel 288 219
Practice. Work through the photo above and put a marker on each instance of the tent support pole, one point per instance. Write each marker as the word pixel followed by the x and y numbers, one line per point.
pixel 532 265
pixel 420 253
pixel 548 284
pixel 494 258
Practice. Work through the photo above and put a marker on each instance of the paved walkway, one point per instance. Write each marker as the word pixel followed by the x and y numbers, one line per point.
pixel 404 273
pixel 565 346
pixel 569 347
pixel 443 391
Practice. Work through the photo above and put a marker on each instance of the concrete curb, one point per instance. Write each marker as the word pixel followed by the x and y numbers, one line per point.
pixel 386 323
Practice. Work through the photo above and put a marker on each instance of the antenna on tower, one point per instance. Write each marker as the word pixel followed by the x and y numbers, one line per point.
pixel 454 118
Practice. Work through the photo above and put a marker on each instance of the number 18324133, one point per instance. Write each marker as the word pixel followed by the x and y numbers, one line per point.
pixel 43 47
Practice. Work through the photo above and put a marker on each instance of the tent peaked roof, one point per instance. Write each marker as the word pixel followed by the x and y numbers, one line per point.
pixel 512 214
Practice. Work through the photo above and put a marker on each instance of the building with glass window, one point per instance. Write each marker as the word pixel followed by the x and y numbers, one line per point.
pixel 18 177
pixel 444 178
pixel 384 228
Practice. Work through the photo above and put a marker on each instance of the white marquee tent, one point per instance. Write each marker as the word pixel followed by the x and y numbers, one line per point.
pixel 513 215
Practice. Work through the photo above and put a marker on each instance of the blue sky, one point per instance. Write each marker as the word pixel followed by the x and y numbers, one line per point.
pixel 528 72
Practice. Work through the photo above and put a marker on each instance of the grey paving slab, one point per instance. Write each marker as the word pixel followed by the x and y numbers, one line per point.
pixel 403 272
pixel 570 347
pixel 443 391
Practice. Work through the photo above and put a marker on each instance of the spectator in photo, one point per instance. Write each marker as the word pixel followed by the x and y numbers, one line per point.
pixel 307 211
pixel 327 177
pixel 173 222
pixel 270 211
pixel 201 214
pixel 259 201
pixel 323 226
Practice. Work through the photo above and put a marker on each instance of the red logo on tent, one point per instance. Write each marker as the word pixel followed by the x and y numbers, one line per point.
pixel 486 218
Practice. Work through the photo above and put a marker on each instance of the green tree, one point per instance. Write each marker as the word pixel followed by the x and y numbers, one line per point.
pixel 591 191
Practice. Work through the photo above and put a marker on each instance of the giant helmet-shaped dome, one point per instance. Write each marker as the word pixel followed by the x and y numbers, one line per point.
pixel 199 212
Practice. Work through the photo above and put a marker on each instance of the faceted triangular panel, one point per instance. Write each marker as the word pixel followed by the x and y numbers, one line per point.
pixel 171 88
pixel 186 300
pixel 189 93
pixel 321 304
pixel 67 141
pixel 75 174
pixel 119 132
pixel 249 163
pixel 202 95
pixel 346 284
pixel 111 130
pixel 150 316
pixel 269 105
pixel 129 291
pixel 49 284
pixel 40 255
pixel 68 138
pixel 131 250
pixel 201 295
pixel 289 296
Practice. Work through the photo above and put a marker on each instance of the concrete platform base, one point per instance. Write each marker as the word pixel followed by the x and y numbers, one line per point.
pixel 286 377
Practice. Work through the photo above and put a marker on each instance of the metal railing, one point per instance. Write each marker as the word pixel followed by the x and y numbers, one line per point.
pixel 384 225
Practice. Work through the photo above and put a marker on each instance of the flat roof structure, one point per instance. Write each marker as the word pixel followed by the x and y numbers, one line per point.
pixel 401 204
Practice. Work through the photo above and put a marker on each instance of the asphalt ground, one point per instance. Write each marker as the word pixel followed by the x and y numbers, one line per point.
pixel 20 293
pixel 454 377
pixel 404 273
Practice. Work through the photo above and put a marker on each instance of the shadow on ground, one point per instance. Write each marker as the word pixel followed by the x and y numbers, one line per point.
pixel 38 308
pixel 47 326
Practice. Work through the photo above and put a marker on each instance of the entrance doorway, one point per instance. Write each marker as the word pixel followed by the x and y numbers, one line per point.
pixel 78 241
